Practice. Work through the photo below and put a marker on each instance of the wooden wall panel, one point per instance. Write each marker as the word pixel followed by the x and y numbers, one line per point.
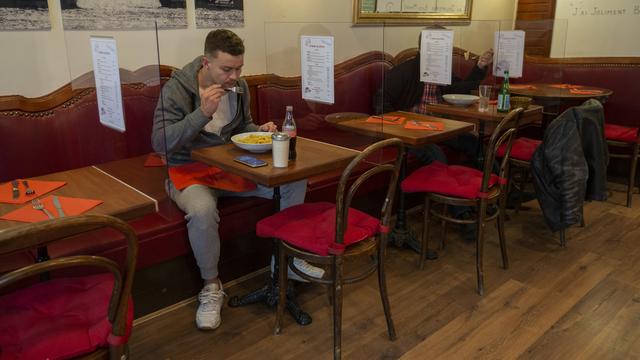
pixel 536 17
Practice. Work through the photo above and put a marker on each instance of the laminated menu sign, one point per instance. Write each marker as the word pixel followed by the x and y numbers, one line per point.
pixel 107 76
pixel 317 68
pixel 436 53
pixel 509 53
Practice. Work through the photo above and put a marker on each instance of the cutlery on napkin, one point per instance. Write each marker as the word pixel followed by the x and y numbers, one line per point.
pixel 56 203
pixel 15 190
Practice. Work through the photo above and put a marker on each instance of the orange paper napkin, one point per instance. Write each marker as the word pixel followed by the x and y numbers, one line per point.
pixel 522 86
pixel 386 119
pixel 155 160
pixel 585 91
pixel 211 176
pixel 40 187
pixel 71 206
pixel 565 86
pixel 424 125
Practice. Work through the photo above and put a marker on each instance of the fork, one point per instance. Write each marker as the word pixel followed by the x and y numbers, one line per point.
pixel 36 204
pixel 29 190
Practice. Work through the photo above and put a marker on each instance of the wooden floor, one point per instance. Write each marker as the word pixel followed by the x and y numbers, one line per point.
pixel 552 303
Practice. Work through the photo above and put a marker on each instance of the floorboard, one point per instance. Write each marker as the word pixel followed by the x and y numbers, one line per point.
pixel 581 302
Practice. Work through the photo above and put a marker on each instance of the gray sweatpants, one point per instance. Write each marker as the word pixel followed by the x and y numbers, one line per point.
pixel 199 202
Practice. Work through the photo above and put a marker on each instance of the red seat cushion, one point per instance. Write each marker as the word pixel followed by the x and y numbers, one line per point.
pixel 522 149
pixel 57 319
pixel 452 180
pixel 312 226
pixel 620 133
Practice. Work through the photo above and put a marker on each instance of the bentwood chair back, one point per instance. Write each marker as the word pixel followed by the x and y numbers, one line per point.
pixel 454 185
pixel 625 143
pixel 328 234
pixel 66 316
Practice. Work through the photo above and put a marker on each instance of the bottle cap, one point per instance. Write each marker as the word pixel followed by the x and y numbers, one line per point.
pixel 289 108
pixel 279 136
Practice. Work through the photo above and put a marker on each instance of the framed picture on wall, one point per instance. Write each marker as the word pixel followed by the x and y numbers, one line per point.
pixel 24 15
pixel 211 14
pixel 411 12
pixel 123 14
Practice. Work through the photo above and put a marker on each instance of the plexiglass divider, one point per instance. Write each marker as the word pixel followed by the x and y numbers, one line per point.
pixel 470 42
pixel 329 114
pixel 116 80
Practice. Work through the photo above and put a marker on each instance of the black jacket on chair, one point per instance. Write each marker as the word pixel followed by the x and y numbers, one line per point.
pixel 570 165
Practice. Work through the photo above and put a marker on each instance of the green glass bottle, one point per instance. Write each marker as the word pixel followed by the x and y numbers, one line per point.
pixel 504 96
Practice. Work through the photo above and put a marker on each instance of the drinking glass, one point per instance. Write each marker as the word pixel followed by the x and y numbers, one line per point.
pixel 484 91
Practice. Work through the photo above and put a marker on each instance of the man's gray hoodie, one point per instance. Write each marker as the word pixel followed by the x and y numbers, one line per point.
pixel 178 122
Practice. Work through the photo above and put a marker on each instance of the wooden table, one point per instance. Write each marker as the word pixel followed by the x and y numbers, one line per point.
pixel 147 180
pixel 314 157
pixel 120 199
pixel 486 120
pixel 559 91
pixel 412 138
pixel 533 114
pixel 557 97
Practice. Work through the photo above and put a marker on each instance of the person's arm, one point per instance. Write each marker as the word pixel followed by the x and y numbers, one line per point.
pixel 475 77
pixel 173 125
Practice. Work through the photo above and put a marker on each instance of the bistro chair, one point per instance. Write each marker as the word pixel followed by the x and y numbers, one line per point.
pixel 328 234
pixel 627 139
pixel 521 154
pixel 457 185
pixel 66 316
pixel 522 151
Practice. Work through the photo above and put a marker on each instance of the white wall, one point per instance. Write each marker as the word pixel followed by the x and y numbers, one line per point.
pixel 36 63
pixel 596 28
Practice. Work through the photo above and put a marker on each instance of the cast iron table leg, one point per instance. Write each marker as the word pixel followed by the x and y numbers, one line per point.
pixel 401 235
pixel 481 145
pixel 268 294
pixel 42 255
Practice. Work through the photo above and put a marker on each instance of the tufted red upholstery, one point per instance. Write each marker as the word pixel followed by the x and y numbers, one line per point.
pixel 453 180
pixel 71 137
pixel 623 79
pixel 57 319
pixel 620 133
pixel 522 148
pixel 312 226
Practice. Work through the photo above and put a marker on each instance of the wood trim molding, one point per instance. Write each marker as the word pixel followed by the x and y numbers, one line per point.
pixel 67 95
pixel 82 86
pixel 586 61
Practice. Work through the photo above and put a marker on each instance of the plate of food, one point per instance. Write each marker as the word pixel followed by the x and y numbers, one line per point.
pixel 255 142
pixel 460 99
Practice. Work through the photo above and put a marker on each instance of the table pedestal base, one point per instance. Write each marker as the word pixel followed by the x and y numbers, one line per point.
pixel 405 238
pixel 401 235
pixel 268 295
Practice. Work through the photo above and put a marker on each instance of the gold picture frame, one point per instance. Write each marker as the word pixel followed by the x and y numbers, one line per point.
pixel 412 12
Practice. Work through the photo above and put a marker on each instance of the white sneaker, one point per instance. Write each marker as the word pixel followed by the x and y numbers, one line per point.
pixel 304 267
pixel 211 298
pixel 308 269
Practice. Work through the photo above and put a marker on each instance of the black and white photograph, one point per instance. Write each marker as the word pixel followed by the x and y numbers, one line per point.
pixel 24 15
pixel 123 14
pixel 211 14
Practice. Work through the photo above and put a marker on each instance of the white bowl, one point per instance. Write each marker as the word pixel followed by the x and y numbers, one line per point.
pixel 254 148
pixel 460 99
